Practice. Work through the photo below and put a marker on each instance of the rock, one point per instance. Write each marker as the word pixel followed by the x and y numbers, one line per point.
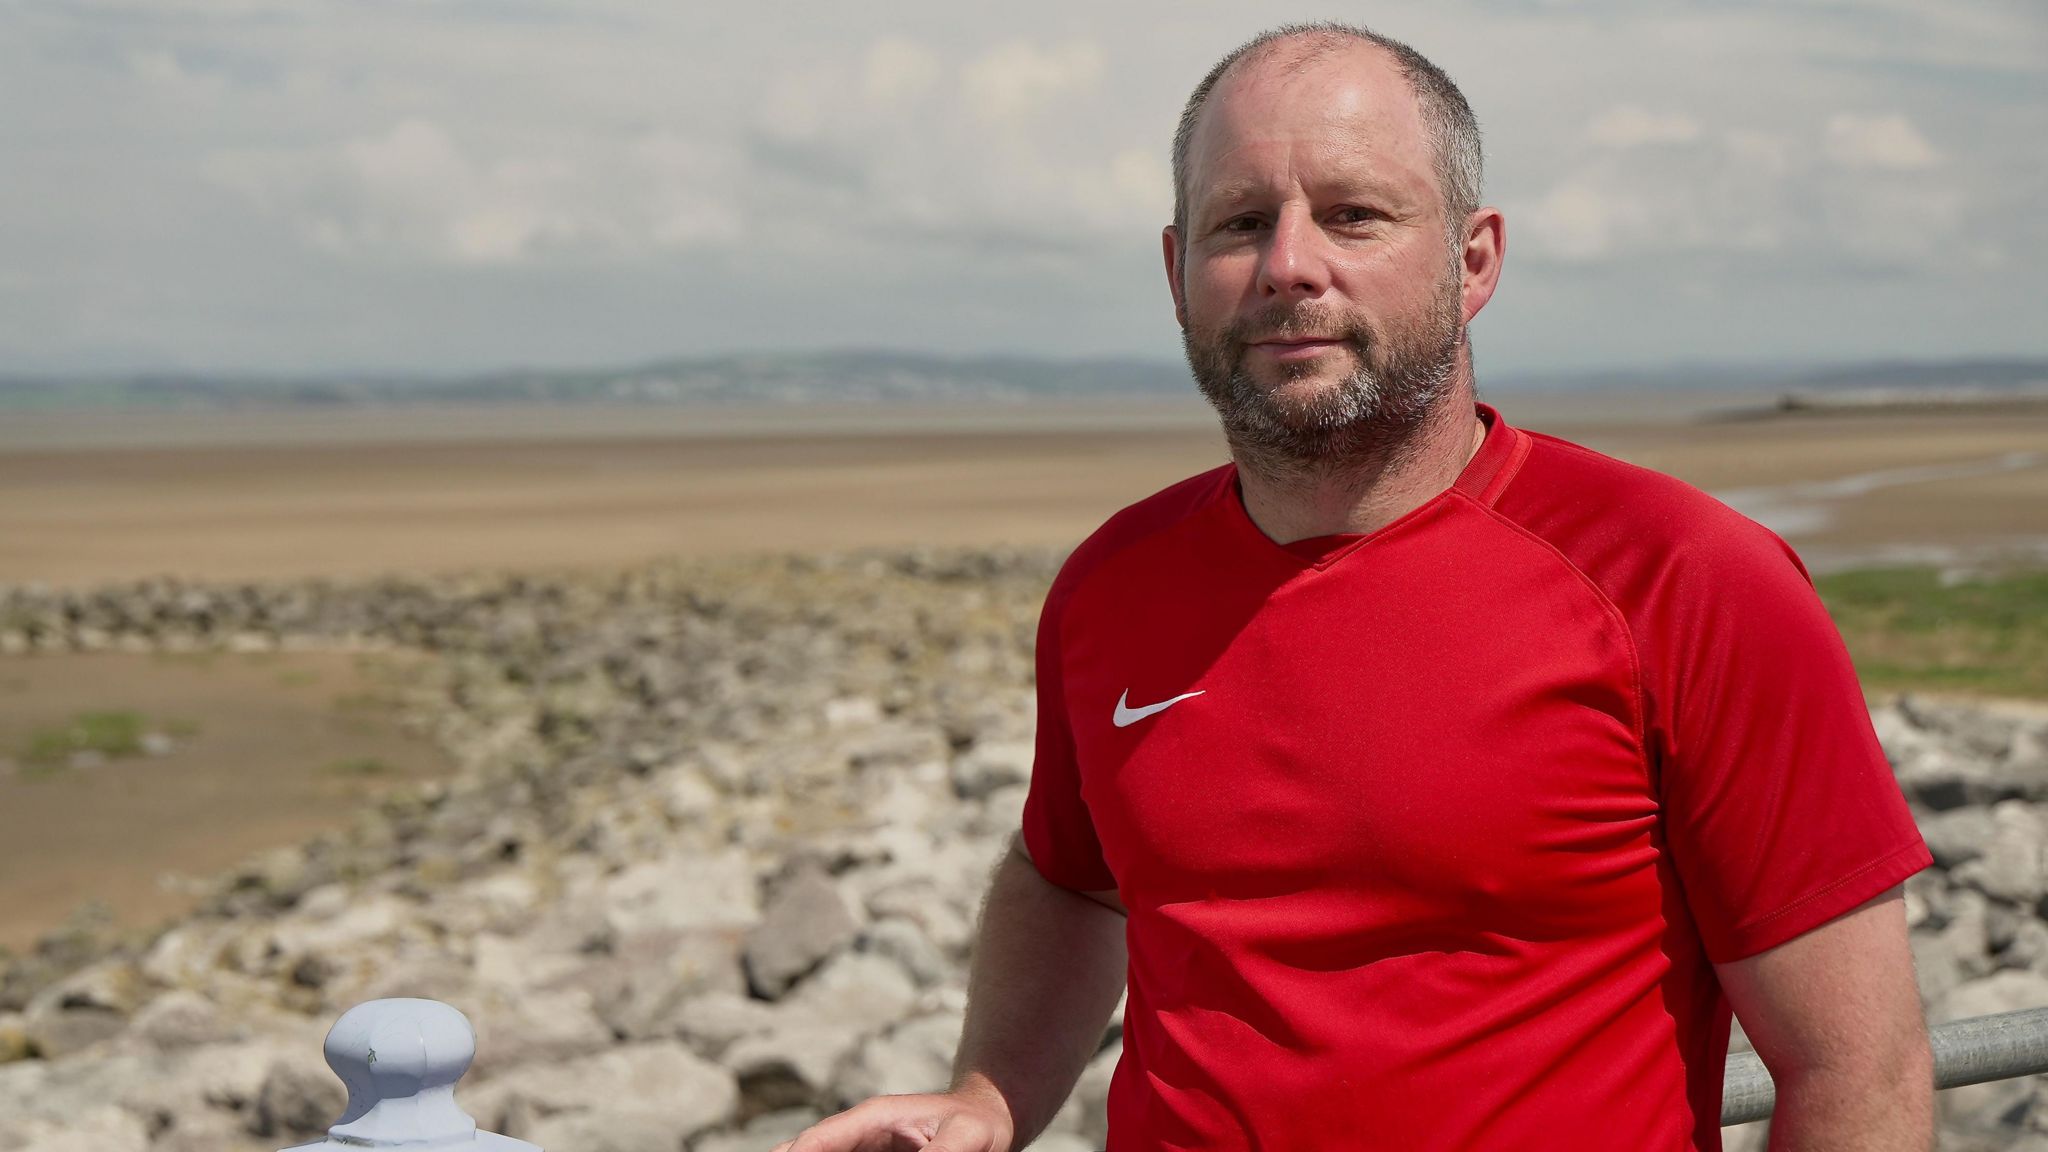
pixel 1956 953
pixel 681 893
pixel 618 1099
pixel 14 1038
pixel 55 1030
pixel 505 902
pixel 921 901
pixel 2029 947
pixel 2026 756
pixel 231 1076
pixel 986 767
pixel 1957 836
pixel 102 1129
pixel 808 921
pixel 513 964
pixel 792 1065
pixel 300 1098
pixel 914 1056
pixel 1980 732
pixel 187 955
pixel 687 795
pixel 711 1023
pixel 861 990
pixel 180 1019
pixel 901 940
pixel 2014 864
pixel 545 1028
pixel 639 986
pixel 369 923
pixel 761 1133
pixel 603 1130
pixel 1943 780
pixel 208 1130
pixel 852 712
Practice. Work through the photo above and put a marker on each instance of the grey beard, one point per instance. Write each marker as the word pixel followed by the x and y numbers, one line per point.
pixel 1366 421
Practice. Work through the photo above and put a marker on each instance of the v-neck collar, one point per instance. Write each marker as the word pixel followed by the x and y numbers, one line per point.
pixel 1484 476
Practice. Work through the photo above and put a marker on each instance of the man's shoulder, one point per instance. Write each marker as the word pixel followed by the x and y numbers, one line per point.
pixel 1626 525
pixel 1139 521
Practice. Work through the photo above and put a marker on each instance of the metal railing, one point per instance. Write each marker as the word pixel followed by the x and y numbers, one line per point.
pixel 401 1059
pixel 1965 1052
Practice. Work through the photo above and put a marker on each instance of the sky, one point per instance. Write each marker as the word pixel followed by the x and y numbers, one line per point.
pixel 323 186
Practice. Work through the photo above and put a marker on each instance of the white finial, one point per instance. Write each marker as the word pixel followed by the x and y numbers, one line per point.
pixel 400 1060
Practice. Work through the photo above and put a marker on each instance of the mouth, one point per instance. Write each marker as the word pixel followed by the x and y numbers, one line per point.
pixel 1298 347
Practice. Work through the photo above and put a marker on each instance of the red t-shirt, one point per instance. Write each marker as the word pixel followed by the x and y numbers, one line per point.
pixel 1440 828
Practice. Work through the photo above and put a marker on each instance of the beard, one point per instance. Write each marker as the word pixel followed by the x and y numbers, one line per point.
pixel 1399 376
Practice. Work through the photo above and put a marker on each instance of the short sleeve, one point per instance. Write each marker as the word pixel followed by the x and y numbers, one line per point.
pixel 1781 811
pixel 1058 831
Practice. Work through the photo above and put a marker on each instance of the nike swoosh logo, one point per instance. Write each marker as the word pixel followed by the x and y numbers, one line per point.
pixel 1127 715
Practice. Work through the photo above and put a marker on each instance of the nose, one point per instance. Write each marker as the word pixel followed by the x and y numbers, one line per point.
pixel 1294 264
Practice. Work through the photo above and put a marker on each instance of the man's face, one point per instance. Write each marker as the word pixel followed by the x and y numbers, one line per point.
pixel 1320 304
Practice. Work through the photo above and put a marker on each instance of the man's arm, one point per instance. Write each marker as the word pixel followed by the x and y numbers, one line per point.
pixel 1835 1016
pixel 1049 964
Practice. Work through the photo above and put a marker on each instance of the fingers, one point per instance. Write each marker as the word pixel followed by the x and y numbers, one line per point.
pixel 963 1132
pixel 883 1124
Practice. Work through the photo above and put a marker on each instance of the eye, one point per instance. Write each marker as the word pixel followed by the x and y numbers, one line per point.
pixel 1240 224
pixel 1353 214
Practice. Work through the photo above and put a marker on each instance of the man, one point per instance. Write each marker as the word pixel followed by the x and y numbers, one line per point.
pixel 1454 780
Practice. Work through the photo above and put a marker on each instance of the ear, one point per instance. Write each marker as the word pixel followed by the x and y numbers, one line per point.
pixel 1176 255
pixel 1485 251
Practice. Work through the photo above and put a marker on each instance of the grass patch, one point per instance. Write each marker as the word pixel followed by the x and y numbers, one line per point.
pixel 1906 629
pixel 110 733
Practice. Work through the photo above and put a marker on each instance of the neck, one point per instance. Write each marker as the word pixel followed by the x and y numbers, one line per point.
pixel 1297 500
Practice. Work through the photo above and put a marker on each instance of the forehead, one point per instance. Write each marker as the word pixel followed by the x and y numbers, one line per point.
pixel 1346 112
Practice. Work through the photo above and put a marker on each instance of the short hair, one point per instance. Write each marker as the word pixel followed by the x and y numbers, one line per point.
pixel 1446 117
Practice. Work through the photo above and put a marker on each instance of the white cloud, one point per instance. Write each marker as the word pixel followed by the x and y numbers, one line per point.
pixel 1019 78
pixel 412 192
pixel 1757 192
pixel 899 71
pixel 165 73
pixel 1628 126
pixel 1577 220
pixel 635 177
pixel 1878 143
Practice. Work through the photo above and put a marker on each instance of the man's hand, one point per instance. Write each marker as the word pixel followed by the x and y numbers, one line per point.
pixel 1835 1016
pixel 960 1121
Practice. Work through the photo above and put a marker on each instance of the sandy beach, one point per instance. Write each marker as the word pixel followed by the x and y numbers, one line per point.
pixel 238 496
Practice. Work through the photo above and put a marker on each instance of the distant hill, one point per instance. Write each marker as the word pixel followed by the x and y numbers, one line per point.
pixel 836 377
pixel 909 377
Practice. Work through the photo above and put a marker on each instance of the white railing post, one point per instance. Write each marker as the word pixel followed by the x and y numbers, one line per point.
pixel 400 1060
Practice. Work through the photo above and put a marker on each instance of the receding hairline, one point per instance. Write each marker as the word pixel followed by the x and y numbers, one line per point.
pixel 1450 130
pixel 1298 59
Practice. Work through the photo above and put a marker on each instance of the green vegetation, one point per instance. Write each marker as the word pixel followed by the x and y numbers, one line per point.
pixel 110 734
pixel 1908 629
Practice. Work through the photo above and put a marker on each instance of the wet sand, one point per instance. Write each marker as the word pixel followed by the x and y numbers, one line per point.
pixel 538 490
pixel 265 749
